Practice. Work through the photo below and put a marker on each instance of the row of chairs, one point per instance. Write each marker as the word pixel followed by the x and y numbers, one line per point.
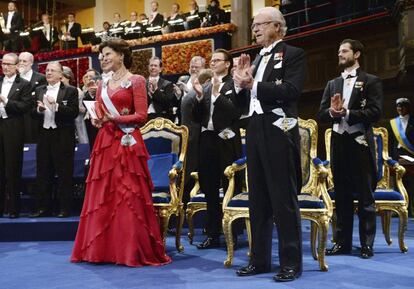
pixel 167 145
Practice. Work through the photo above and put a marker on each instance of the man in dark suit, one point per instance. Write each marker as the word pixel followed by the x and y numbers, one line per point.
pixel 160 92
pixel 14 102
pixel 352 102
pixel 133 29
pixel 13 26
pixel 269 92
pixel 155 18
pixel 57 107
pixel 401 142
pixel 73 31
pixel 48 34
pixel 31 125
pixel 116 29
pixel 220 142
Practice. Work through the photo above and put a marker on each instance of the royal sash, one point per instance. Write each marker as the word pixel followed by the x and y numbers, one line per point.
pixel 127 139
pixel 398 130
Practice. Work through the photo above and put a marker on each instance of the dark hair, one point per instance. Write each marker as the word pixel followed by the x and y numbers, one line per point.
pixel 356 46
pixel 119 46
pixel 97 74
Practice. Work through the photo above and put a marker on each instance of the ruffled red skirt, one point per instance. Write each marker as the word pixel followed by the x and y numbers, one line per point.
pixel 118 223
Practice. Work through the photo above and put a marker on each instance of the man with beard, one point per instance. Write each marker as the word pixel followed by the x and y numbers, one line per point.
pixel 352 102
pixel 31 125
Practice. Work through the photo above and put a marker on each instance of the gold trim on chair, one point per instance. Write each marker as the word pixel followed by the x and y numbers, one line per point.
pixel 384 207
pixel 176 177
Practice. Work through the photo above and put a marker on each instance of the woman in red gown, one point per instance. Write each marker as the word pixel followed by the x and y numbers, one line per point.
pixel 118 223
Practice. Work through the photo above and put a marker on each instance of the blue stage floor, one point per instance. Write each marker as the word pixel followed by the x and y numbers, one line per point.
pixel 45 265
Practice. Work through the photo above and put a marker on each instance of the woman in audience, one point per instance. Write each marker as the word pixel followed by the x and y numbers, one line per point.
pixel 118 222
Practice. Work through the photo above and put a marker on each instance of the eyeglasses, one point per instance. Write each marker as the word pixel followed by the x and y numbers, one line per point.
pixel 7 64
pixel 260 25
pixel 216 60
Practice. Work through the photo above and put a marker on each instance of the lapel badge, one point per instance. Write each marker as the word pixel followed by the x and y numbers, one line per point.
pixel 65 102
pixel 17 89
pixel 278 56
pixel 363 103
pixel 359 85
pixel 278 81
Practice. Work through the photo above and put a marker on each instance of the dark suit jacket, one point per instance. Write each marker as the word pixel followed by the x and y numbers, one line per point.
pixel 365 105
pixel 19 98
pixel 271 94
pixel 393 150
pixel 163 98
pixel 76 30
pixel 68 109
pixel 225 113
pixel 158 21
pixel 37 80
pixel 195 22
pixel 54 35
pixel 17 24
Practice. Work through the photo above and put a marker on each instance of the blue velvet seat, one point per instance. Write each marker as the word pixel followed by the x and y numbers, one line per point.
pixel 315 203
pixel 167 146
pixel 390 195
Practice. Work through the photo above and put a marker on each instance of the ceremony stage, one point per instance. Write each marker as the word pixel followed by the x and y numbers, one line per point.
pixel 45 265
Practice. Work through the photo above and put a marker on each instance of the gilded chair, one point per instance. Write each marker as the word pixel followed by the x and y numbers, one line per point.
pixel 315 203
pixel 390 194
pixel 197 201
pixel 167 146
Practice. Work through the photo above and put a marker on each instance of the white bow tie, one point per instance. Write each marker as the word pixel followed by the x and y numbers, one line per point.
pixel 346 75
pixel 51 87
pixel 265 52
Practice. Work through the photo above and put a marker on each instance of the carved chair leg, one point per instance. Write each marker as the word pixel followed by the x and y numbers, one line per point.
pixel 249 235
pixel 323 227
pixel 313 237
pixel 190 214
pixel 386 225
pixel 179 226
pixel 333 223
pixel 402 228
pixel 164 220
pixel 228 234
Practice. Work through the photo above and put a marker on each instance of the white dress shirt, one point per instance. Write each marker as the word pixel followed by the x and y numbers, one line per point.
pixel 28 75
pixel 210 125
pixel 5 90
pixel 49 113
pixel 151 108
pixel 70 25
pixel 255 105
pixel 46 31
pixel 9 19
pixel 343 126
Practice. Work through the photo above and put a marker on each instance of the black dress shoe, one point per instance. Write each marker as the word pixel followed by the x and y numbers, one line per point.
pixel 286 275
pixel 366 252
pixel 338 249
pixel 63 214
pixel 209 243
pixel 13 216
pixel 38 214
pixel 250 270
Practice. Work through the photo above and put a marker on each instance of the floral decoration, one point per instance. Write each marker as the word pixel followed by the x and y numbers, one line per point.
pixel 176 57
pixel 140 61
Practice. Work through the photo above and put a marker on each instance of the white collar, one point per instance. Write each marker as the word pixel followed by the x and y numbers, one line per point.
pixel 349 74
pixel 9 79
pixel 54 86
pixel 157 78
pixel 405 117
pixel 267 50
pixel 27 73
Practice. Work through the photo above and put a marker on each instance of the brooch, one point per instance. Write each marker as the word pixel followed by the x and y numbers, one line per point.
pixel 363 103
pixel 124 111
pixel 359 85
pixel 126 83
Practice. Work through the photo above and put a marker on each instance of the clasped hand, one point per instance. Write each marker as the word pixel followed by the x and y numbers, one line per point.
pixel 243 73
pixel 337 106
pixel 99 122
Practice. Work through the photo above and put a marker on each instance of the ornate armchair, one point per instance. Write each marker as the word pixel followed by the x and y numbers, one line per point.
pixel 167 145
pixel 197 201
pixel 315 203
pixel 390 194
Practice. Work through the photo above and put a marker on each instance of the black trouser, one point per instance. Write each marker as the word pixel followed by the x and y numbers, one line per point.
pixel 354 177
pixel 55 154
pixel 273 165
pixel 11 159
pixel 215 155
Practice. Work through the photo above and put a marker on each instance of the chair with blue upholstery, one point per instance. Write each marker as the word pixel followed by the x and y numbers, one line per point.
pixel 315 203
pixel 166 143
pixel 390 194
pixel 198 201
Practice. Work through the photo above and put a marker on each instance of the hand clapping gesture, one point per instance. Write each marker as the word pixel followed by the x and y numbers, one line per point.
pixel 337 106
pixel 243 74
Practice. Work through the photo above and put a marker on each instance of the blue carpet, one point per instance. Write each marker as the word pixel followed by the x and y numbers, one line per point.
pixel 45 265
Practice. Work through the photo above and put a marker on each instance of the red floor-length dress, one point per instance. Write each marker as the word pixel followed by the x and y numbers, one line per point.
pixel 118 223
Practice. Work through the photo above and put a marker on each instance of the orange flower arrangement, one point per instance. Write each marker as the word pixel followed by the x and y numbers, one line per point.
pixel 176 57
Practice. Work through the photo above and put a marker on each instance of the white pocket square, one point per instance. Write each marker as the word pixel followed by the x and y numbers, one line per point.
pixel 33 93
pixel 286 123
pixel 226 134
pixel 65 102
pixel 228 92
pixel 278 65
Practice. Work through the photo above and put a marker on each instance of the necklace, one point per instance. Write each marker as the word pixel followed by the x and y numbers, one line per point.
pixel 114 78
